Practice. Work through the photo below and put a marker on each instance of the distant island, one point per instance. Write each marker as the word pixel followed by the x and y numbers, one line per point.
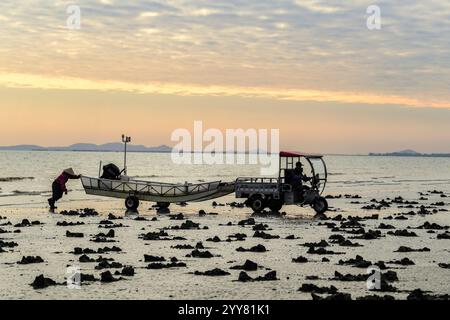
pixel 89 147
pixel 410 153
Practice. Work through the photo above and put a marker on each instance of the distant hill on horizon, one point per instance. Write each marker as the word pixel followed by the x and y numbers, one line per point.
pixel 410 153
pixel 107 147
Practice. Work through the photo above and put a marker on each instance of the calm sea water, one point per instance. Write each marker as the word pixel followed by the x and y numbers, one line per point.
pixel 370 177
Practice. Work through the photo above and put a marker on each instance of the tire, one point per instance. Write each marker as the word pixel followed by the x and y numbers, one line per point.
pixel 163 205
pixel 132 203
pixel 320 205
pixel 257 204
pixel 275 205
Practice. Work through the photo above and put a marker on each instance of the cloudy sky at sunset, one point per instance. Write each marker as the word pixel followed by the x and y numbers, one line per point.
pixel 311 68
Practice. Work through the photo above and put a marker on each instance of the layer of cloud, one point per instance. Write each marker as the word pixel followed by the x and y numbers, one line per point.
pixel 277 46
pixel 65 83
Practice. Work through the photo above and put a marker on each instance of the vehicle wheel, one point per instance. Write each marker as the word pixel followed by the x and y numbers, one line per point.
pixel 132 203
pixel 257 204
pixel 162 205
pixel 320 205
pixel 275 205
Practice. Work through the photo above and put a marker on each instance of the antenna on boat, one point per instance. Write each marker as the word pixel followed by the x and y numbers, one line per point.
pixel 125 140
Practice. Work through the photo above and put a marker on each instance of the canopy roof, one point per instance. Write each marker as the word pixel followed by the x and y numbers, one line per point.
pixel 286 154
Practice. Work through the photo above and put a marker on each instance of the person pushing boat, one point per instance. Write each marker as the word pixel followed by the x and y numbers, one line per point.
pixel 59 186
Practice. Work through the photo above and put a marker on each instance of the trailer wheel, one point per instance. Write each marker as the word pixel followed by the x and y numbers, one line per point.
pixel 320 205
pixel 163 205
pixel 275 205
pixel 132 203
pixel 257 204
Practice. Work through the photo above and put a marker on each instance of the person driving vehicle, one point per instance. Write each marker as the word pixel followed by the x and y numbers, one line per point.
pixel 298 177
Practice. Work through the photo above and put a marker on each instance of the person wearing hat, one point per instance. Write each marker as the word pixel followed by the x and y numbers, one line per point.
pixel 59 186
pixel 299 177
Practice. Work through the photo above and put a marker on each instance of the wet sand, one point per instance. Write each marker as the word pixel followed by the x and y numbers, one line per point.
pixel 317 255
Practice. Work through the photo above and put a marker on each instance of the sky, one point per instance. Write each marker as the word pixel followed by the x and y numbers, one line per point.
pixel 310 68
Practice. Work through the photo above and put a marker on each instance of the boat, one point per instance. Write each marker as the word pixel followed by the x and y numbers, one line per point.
pixel 134 191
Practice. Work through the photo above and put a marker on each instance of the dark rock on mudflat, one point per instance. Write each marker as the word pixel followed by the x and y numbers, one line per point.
pixel 386 226
pixel 404 249
pixel 112 217
pixel 69 224
pixel 300 260
pixel 402 233
pixel 108 249
pixel 312 288
pixel 74 234
pixel 443 236
pixel 390 276
pixel 140 219
pixel 376 298
pixel 212 273
pixel 30 260
pixel 214 239
pixel 260 227
pixel 187 225
pixel 27 223
pixel 85 259
pixel 152 236
pixel 247 266
pixel 149 258
pixel 271 276
pixel 179 216
pixel 321 251
pixel 112 226
pixel 105 222
pixel 200 254
pixel 8 244
pixel 42 282
pixel 432 226
pixel 244 277
pixel 247 222
pixel 128 271
pixel 183 247
pixel 237 237
pixel 79 251
pixel 159 266
pixel 87 277
pixel 107 277
pixel 338 297
pixel 162 210
pixel 403 262
pixel 321 244
pixel 358 262
pixel 369 235
pixel 266 236
pixel 349 277
pixel 291 237
pixel 421 295
pixel 110 234
pixel 199 246
pixel 257 248
pixel 108 265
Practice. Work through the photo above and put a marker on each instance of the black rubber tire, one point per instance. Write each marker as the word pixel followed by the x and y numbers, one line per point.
pixel 275 205
pixel 132 203
pixel 320 205
pixel 163 205
pixel 257 204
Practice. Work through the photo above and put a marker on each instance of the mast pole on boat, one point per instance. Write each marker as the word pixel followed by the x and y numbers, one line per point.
pixel 125 140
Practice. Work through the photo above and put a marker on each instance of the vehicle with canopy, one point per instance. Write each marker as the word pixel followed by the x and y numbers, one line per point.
pixel 290 187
